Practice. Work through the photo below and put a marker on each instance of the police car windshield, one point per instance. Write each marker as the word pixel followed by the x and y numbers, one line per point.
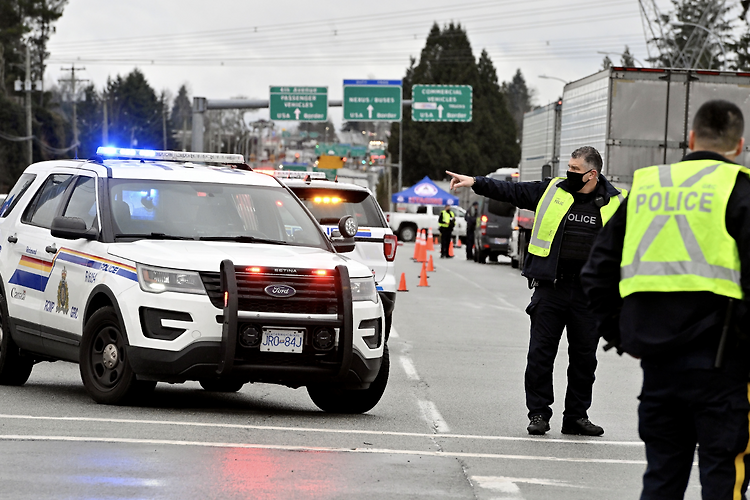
pixel 158 209
pixel 330 205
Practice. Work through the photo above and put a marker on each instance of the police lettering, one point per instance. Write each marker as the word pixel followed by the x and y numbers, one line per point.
pixel 674 201
pixel 586 219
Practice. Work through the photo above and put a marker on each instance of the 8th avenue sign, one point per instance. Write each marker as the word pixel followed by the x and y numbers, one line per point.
pixel 304 104
pixel 441 103
pixel 372 100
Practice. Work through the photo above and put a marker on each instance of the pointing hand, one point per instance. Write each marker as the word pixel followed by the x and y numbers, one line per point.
pixel 458 180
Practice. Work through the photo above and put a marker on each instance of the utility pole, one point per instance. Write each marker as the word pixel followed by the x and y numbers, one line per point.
pixel 74 97
pixel 27 85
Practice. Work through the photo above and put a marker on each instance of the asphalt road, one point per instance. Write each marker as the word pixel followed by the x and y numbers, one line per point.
pixel 452 423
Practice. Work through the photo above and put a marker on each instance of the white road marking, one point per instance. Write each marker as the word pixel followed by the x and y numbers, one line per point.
pixel 433 417
pixel 393 334
pixel 542 440
pixel 408 367
pixel 500 482
pixel 382 451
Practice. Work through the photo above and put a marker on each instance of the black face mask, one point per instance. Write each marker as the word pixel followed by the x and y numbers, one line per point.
pixel 575 180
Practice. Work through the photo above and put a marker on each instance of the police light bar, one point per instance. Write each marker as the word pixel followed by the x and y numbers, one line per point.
pixel 153 154
pixel 296 174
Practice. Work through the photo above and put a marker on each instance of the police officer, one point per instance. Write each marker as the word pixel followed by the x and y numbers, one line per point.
pixel 570 212
pixel 669 279
pixel 471 225
pixel 446 222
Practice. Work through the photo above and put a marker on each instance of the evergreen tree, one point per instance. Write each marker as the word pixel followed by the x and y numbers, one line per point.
pixel 90 116
pixel 477 147
pixel 606 62
pixel 42 15
pixel 627 58
pixel 519 100
pixel 135 113
pixel 182 117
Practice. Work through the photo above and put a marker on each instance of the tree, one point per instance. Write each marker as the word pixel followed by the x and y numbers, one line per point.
pixel 182 116
pixel 477 147
pixel 627 59
pixel 519 100
pixel 41 15
pixel 696 34
pixel 606 62
pixel 135 112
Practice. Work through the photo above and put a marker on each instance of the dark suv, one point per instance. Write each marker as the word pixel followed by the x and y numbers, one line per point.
pixel 494 222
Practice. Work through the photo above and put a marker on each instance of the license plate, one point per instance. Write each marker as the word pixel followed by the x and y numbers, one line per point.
pixel 501 241
pixel 282 340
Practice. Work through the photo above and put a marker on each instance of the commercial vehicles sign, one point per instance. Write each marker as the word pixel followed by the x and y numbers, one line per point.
pixel 441 103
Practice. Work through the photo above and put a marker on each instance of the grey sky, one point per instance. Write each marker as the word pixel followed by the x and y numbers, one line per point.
pixel 227 48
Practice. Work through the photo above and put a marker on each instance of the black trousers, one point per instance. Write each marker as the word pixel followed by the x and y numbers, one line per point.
pixel 469 246
pixel 552 309
pixel 683 407
pixel 445 240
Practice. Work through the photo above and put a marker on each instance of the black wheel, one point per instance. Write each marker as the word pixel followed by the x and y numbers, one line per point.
pixel 407 233
pixel 493 257
pixel 221 385
pixel 14 368
pixel 105 371
pixel 334 400
pixel 514 263
pixel 388 322
pixel 482 257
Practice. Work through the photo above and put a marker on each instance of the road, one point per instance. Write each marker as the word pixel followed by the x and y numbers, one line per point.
pixel 452 423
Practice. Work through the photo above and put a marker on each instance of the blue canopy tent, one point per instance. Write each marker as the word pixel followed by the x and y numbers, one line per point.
pixel 425 192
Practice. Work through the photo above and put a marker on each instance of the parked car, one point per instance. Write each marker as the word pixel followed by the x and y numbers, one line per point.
pixel 494 228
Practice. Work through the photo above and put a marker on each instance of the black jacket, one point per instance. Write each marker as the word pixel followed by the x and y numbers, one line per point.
pixel 681 326
pixel 527 195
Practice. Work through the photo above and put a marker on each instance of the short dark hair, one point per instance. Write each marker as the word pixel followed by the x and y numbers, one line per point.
pixel 590 155
pixel 719 124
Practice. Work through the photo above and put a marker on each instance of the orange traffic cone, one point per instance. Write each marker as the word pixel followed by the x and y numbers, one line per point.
pixel 402 284
pixel 458 242
pixel 417 244
pixel 423 248
pixel 450 249
pixel 430 266
pixel 430 241
pixel 423 276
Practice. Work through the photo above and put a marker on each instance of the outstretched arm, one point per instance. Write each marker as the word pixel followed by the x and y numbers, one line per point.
pixel 521 194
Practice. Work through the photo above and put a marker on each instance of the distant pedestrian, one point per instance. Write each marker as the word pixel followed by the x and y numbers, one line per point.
pixel 471 223
pixel 570 211
pixel 446 223
pixel 669 282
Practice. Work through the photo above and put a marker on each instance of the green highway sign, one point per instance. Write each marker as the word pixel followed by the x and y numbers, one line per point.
pixel 372 100
pixel 304 104
pixel 441 103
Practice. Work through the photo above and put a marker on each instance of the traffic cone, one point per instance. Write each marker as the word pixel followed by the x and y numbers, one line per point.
pixel 423 248
pixel 450 249
pixel 430 266
pixel 402 284
pixel 417 243
pixel 423 276
pixel 437 240
pixel 430 241
pixel 458 242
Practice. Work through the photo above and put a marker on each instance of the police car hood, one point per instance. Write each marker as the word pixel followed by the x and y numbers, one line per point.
pixel 207 255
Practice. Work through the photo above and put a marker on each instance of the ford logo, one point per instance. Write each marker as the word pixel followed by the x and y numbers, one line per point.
pixel 280 291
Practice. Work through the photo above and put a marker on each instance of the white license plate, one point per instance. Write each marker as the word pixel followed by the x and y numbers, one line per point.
pixel 501 241
pixel 282 340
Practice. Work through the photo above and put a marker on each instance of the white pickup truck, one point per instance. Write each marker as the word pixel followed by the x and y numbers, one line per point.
pixel 405 224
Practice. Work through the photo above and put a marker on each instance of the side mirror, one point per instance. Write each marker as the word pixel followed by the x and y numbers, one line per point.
pixel 71 228
pixel 343 239
pixel 546 171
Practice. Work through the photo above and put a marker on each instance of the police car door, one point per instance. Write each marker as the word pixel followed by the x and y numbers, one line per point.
pixel 74 273
pixel 33 260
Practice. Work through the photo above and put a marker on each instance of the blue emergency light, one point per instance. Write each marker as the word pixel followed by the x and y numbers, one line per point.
pixel 153 154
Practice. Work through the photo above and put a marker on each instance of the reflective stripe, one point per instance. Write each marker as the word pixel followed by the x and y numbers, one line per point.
pixel 693 179
pixel 665 176
pixel 546 202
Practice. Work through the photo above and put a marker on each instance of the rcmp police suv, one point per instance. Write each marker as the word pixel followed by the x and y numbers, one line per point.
pixel 146 266
pixel 376 244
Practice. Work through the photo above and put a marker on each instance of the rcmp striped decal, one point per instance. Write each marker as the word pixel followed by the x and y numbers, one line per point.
pixel 34 273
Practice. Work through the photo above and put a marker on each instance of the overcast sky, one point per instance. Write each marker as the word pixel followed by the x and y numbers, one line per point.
pixel 229 48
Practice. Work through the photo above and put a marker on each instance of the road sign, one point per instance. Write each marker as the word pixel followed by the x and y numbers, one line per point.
pixel 441 103
pixel 304 104
pixel 372 100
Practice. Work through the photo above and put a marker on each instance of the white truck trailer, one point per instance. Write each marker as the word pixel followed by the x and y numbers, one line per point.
pixel 635 117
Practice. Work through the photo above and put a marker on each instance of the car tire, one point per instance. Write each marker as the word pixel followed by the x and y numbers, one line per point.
pixel 15 369
pixel 388 323
pixel 407 233
pixel 514 263
pixel 336 400
pixel 105 370
pixel 482 257
pixel 493 257
pixel 220 385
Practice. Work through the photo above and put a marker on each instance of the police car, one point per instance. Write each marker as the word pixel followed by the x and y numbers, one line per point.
pixel 145 266
pixel 376 244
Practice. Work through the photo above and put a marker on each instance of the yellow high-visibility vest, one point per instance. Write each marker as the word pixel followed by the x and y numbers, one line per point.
pixel 676 238
pixel 445 218
pixel 551 210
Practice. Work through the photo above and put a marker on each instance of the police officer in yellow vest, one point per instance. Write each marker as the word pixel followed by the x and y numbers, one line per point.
pixel 570 212
pixel 446 223
pixel 668 280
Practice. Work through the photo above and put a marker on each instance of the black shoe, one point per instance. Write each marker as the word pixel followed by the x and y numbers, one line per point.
pixel 582 427
pixel 538 425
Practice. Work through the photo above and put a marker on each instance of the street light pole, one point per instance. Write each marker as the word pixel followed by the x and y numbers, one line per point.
pixel 554 78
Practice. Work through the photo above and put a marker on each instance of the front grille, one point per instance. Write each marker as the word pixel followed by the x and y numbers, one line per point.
pixel 314 294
